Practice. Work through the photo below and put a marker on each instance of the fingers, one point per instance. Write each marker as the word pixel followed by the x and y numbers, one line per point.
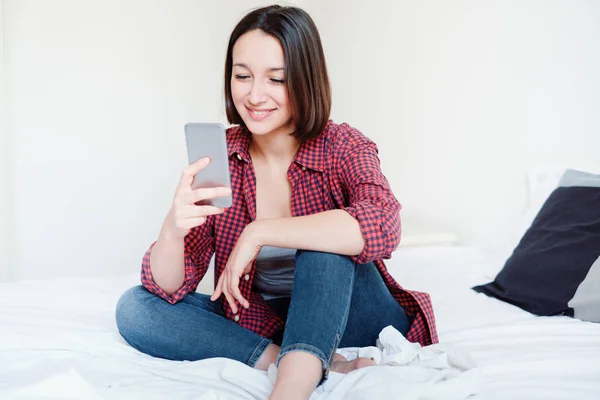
pixel 230 288
pixel 187 177
pixel 189 223
pixel 188 217
pixel 234 288
pixel 222 288
pixel 193 211
pixel 205 193
pixel 229 296
pixel 218 290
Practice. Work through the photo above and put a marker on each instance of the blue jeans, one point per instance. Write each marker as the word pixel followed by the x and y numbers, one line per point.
pixel 335 303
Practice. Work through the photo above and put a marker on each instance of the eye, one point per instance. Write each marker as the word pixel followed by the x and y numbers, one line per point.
pixel 278 81
pixel 242 77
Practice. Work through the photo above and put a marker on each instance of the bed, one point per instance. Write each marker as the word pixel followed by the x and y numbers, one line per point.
pixel 58 339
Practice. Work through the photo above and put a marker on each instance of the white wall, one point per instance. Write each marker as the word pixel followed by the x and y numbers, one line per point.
pixel 5 223
pixel 462 97
pixel 465 96
pixel 99 94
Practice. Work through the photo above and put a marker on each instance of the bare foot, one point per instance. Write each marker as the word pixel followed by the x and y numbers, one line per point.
pixel 343 366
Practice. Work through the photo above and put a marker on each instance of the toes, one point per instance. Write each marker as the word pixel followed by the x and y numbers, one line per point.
pixel 365 362
pixel 345 367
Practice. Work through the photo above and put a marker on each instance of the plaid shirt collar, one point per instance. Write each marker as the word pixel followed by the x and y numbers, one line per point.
pixel 311 153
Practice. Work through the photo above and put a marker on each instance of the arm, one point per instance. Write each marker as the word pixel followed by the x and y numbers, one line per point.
pixel 167 265
pixel 333 231
pixel 173 267
pixel 371 202
pixel 367 229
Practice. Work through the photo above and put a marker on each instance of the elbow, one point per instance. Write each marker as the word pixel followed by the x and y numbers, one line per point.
pixel 395 237
pixel 393 231
pixel 170 290
pixel 380 228
pixel 394 244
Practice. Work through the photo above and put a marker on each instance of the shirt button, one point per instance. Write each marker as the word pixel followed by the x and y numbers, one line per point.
pixel 236 318
pixel 247 277
pixel 239 157
pixel 303 168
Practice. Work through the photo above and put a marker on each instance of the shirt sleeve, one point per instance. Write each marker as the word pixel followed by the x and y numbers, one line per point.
pixel 198 250
pixel 371 202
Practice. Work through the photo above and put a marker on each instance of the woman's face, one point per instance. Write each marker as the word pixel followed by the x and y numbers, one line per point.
pixel 257 83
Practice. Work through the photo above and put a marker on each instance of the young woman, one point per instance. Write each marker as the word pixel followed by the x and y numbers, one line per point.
pixel 298 256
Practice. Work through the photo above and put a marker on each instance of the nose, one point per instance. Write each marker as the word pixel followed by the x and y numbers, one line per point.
pixel 258 94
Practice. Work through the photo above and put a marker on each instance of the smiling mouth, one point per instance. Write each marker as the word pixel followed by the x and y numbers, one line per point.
pixel 259 114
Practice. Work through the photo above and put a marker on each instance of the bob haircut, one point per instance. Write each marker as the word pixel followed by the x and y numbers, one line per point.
pixel 305 69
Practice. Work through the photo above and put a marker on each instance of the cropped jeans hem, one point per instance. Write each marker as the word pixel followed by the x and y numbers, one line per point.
pixel 307 348
pixel 262 346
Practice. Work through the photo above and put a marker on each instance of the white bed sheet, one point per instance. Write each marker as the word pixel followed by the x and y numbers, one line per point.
pixel 522 356
pixel 60 337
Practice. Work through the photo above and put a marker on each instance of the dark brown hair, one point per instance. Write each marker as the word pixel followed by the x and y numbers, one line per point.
pixel 305 68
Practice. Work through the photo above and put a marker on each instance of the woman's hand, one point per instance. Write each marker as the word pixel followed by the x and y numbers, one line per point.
pixel 239 263
pixel 185 214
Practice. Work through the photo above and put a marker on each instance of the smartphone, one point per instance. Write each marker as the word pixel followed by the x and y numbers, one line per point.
pixel 209 140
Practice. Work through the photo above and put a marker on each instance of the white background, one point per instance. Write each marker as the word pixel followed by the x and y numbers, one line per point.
pixel 463 98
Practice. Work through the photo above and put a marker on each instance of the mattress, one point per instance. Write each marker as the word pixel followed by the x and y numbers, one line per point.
pixel 58 339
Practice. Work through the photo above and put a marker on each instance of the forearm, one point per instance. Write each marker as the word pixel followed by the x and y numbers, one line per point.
pixel 333 231
pixel 167 262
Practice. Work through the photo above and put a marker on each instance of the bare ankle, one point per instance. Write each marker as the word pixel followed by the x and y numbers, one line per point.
pixel 297 376
pixel 268 357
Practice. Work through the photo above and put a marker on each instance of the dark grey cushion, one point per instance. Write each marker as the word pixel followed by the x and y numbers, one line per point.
pixel 555 269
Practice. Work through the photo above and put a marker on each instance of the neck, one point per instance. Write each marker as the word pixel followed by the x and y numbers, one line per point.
pixel 275 147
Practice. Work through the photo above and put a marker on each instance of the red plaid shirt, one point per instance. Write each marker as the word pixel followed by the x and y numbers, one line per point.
pixel 337 170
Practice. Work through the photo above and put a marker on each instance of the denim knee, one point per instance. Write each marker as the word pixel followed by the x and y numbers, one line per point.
pixel 128 309
pixel 313 257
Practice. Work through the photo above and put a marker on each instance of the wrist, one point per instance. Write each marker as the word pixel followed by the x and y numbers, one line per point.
pixel 167 233
pixel 257 233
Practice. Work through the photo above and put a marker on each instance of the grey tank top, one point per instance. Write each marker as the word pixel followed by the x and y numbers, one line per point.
pixel 274 272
